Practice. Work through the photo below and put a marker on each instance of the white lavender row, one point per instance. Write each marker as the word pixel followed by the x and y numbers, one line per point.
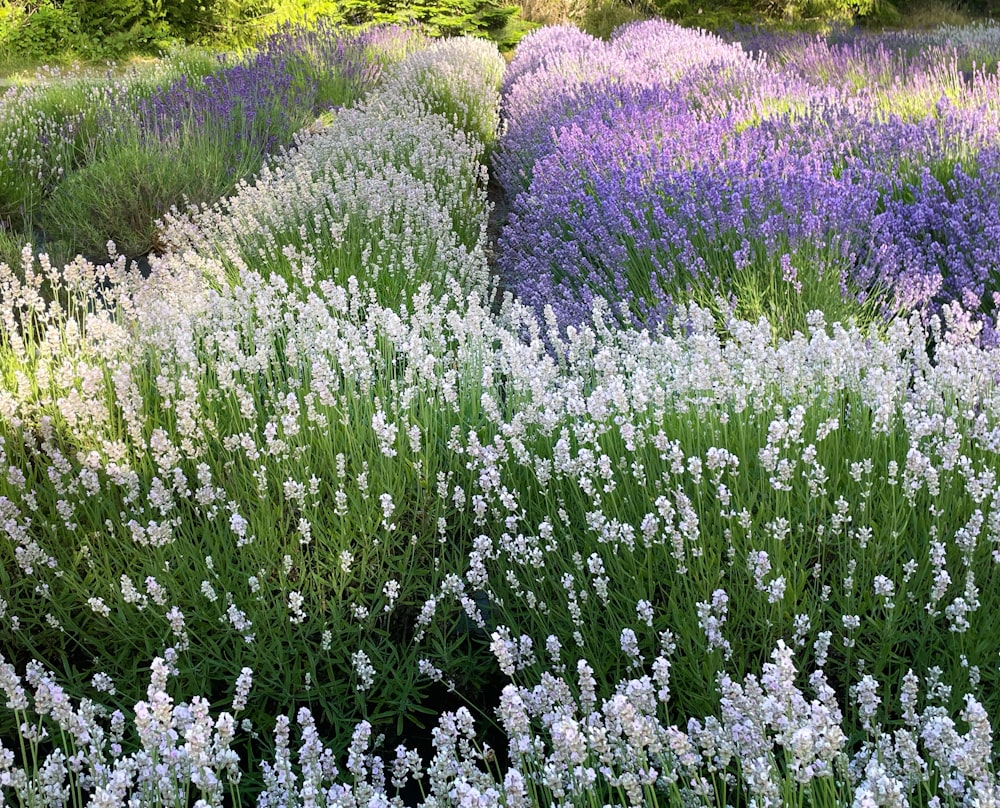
pixel 410 213
pixel 222 466
pixel 679 603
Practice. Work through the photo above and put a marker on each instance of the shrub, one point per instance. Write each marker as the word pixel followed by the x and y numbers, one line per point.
pixel 602 19
pixel 751 494
pixel 48 30
pixel 38 131
pixel 118 198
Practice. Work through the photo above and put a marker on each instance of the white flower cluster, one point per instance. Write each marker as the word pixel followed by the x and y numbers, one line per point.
pixel 183 748
pixel 410 212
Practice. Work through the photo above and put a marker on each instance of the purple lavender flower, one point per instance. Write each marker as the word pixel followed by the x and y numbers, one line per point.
pixel 626 184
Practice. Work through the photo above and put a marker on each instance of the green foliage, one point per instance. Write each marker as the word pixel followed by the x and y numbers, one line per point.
pixel 715 16
pixel 10 247
pixel 930 14
pixel 89 29
pixel 456 17
pixel 601 19
pixel 486 18
pixel 112 29
pixel 46 30
pixel 120 196
pixel 696 13
pixel 988 8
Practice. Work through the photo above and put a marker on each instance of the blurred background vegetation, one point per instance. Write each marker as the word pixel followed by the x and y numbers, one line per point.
pixel 95 30
pixel 32 31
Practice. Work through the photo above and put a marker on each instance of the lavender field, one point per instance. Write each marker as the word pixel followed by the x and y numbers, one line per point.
pixel 675 485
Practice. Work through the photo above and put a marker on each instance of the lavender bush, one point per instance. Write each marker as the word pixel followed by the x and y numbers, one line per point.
pixel 39 150
pixel 818 714
pixel 49 125
pixel 558 71
pixel 342 66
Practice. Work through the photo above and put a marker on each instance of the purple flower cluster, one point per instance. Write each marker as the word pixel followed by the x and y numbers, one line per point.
pixel 850 55
pixel 258 103
pixel 940 240
pixel 560 72
pixel 636 189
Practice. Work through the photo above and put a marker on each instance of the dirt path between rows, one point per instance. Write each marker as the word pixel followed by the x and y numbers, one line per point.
pixel 497 220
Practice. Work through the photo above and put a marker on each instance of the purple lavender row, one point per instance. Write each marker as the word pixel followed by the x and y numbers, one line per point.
pixel 558 72
pixel 855 56
pixel 259 103
pixel 251 106
pixel 642 190
pixel 255 105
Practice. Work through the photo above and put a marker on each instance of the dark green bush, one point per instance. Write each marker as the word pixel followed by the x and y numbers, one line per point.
pixel 603 17
pixel 718 15
pixel 114 28
pixel 989 8
pixel 44 30
pixel 102 29
pixel 495 19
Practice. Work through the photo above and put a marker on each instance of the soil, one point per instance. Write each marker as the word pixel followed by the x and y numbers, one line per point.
pixel 499 214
